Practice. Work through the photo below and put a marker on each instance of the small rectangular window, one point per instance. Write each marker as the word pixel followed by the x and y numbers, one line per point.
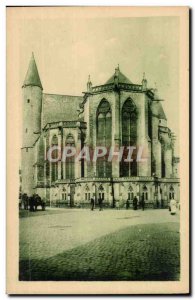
pixel 85 196
pixel 26 149
pixel 28 100
pixel 26 130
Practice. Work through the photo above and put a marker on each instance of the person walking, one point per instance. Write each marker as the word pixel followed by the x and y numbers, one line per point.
pixel 127 204
pixel 92 203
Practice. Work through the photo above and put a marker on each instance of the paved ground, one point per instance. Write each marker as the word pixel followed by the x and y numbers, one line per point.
pixel 109 245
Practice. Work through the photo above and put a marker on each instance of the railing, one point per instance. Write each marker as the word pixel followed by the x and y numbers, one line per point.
pixel 111 86
pixel 66 124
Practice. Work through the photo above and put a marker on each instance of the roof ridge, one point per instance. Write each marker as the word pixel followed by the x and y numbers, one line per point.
pixel 62 95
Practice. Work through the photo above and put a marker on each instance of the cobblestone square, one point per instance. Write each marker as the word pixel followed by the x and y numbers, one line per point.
pixel 79 244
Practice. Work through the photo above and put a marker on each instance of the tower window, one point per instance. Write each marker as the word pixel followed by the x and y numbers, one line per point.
pixel 26 130
pixel 28 100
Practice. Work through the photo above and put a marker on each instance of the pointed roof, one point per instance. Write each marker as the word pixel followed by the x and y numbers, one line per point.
pixel 121 77
pixel 32 76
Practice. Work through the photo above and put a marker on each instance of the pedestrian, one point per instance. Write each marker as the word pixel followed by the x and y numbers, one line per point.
pixel 100 200
pixel 157 203
pixel 135 203
pixel 92 203
pixel 31 203
pixel 127 204
pixel 173 206
pixel 142 202
pixel 117 205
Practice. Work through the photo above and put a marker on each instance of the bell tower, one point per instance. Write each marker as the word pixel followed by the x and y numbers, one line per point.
pixel 31 128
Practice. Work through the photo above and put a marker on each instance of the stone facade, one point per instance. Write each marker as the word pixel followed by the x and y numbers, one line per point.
pixel 115 114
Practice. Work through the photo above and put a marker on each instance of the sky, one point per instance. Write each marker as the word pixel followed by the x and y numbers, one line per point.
pixel 67 50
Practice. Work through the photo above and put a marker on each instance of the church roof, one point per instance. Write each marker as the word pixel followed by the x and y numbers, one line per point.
pixel 32 76
pixel 60 108
pixel 121 77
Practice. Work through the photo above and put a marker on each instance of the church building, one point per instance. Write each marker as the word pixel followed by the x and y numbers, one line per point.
pixel 116 114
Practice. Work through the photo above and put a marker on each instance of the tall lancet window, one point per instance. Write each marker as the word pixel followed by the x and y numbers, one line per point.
pixel 70 161
pixel 104 138
pixel 40 159
pixel 54 165
pixel 129 138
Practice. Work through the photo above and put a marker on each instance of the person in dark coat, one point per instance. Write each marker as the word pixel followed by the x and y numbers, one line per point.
pixel 92 203
pixel 135 203
pixel 31 203
pixel 142 202
pixel 100 200
pixel 25 201
pixel 127 204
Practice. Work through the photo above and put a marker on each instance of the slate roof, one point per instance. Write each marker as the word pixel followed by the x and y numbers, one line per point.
pixel 32 76
pixel 60 108
pixel 121 76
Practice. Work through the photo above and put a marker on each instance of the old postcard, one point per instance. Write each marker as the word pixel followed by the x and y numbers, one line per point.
pixel 97 150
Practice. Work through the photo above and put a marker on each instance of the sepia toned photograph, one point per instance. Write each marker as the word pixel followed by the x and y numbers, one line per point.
pixel 97 112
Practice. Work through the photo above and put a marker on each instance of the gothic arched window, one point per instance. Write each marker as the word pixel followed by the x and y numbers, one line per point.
pixel 130 193
pixel 163 169
pixel 70 161
pixel 87 193
pixel 40 159
pixel 101 192
pixel 129 137
pixel 145 192
pixel 104 137
pixel 54 165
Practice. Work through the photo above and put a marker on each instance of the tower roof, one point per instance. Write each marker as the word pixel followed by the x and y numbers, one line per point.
pixel 121 77
pixel 32 75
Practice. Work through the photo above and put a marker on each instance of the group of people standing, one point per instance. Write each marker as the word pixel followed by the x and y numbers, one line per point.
pixel 100 203
pixel 31 202
pixel 136 204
